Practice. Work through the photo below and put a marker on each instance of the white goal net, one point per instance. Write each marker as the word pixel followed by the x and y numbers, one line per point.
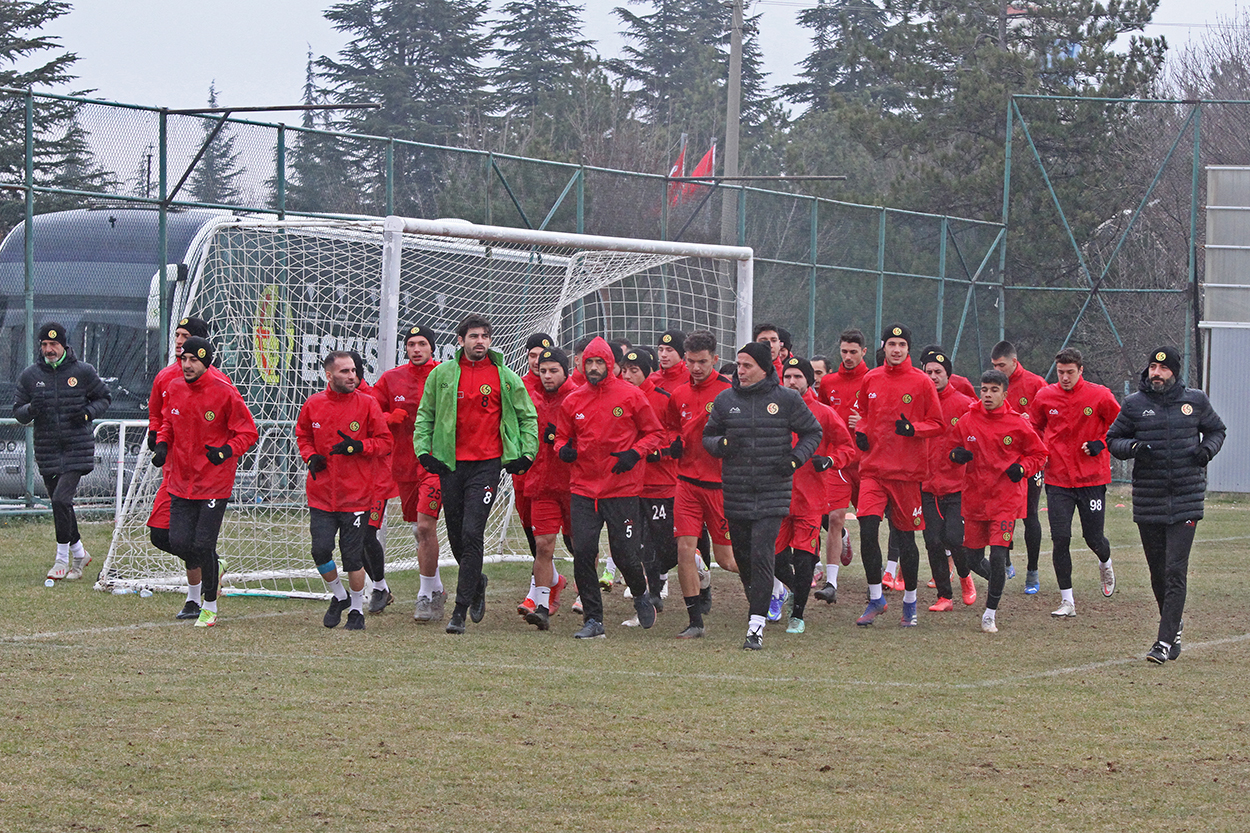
pixel 280 295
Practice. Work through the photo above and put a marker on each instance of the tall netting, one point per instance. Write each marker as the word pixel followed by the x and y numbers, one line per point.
pixel 280 295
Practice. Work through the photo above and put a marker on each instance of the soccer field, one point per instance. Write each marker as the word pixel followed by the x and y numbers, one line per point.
pixel 116 717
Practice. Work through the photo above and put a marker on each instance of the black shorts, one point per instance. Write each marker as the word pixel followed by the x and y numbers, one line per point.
pixel 1089 501
pixel 350 528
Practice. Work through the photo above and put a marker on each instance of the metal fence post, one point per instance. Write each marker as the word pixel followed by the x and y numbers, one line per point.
pixel 28 251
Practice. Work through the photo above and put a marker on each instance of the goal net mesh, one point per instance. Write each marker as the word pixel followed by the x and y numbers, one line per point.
pixel 280 295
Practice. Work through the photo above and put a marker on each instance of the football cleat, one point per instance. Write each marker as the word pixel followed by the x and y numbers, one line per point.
pixel 59 570
pixel 1107 574
pixel 334 614
pixel 478 608
pixel 379 599
pixel 79 564
pixel 875 608
pixel 539 617
pixel 1158 653
pixel 692 632
pixel 526 607
pixel 1031 583
pixel 847 553
pixel 988 623
pixel 190 610
pixel 1067 610
pixel 754 641
pixel 355 621
pixel 827 594
pixel 207 619
pixel 795 626
pixel 969 590
pixel 593 629
pixel 942 606
pixel 910 619
pixel 554 601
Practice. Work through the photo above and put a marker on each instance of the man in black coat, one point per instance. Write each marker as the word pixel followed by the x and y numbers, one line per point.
pixel 750 428
pixel 62 395
pixel 1171 432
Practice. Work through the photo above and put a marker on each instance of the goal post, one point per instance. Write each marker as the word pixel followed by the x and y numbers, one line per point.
pixel 279 295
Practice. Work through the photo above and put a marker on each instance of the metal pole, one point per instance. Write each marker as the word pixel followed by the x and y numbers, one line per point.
pixel 1002 252
pixel 28 251
pixel 390 177
pixel 1194 315
pixel 581 200
pixel 811 282
pixel 280 173
pixel 941 293
pixel 388 318
pixel 162 228
pixel 732 119
pixel 880 279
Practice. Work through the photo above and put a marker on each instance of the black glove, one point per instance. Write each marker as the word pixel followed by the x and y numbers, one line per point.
pixel 676 449
pixel 861 441
pixel 1142 451
pixel 625 460
pixel 653 456
pixel 81 416
pixel 549 434
pixel 347 445
pixel 33 409
pixel 433 465
pixel 724 447
pixel 903 427
pixel 960 456
pixel 519 466
pixel 317 463
pixel 789 464
pixel 1095 447
pixel 159 453
pixel 1202 455
pixel 821 463
pixel 568 453
pixel 218 454
pixel 151 441
pixel 1016 472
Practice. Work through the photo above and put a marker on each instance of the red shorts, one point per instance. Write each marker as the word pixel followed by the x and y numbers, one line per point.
pixel 695 506
pixel 524 510
pixel 851 473
pixel 550 515
pixel 903 497
pixel 159 519
pixel 799 533
pixel 981 534
pixel 377 513
pixel 421 497
pixel 838 491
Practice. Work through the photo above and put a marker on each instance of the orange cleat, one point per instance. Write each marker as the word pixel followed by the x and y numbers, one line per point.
pixel 969 589
pixel 526 607
pixel 889 582
pixel 554 603
pixel 932 583
pixel 942 606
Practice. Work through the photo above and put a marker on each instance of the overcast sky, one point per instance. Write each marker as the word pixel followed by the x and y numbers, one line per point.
pixel 166 52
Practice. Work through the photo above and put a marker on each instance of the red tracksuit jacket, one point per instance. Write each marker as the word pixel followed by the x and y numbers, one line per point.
pixel 886 393
pixel 549 476
pixel 660 478
pixel 599 419
pixel 400 388
pixel 945 477
pixel 1022 386
pixel 688 409
pixel 809 494
pixel 670 379
pixel 997 439
pixel 840 388
pixel 160 386
pixel 384 486
pixel 1065 420
pixel 349 482
pixel 208 411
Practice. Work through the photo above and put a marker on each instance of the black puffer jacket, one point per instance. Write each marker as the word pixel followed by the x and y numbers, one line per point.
pixel 58 399
pixel 750 430
pixel 1169 479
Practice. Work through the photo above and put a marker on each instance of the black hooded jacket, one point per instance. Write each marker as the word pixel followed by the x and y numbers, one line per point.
pixel 62 401
pixel 750 430
pixel 1170 476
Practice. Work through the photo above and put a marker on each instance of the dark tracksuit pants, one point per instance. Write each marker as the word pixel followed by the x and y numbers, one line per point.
pixel 944 530
pixel 1167 555
pixel 349 527
pixel 754 546
pixel 468 494
pixel 621 515
pixel 61 489
pixel 193 529
pixel 659 553
pixel 1090 503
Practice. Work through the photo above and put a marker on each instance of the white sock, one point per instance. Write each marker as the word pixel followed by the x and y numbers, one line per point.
pixel 76 550
pixel 380 584
pixel 336 587
pixel 891 567
pixel 358 600
pixel 194 591
pixel 609 566
pixel 211 605
pixel 778 587
pixel 62 553
pixel 756 625
pixel 909 597
pixel 874 592
pixel 664 578
pixel 431 585
pixel 1066 595
pixel 831 574
pixel 990 615
pixel 555 574
pixel 542 597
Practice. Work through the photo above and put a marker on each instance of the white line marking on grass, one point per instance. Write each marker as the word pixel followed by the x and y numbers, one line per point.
pixel 136 626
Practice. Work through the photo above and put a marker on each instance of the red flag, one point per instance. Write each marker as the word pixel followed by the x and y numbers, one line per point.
pixel 678 169
pixel 704 168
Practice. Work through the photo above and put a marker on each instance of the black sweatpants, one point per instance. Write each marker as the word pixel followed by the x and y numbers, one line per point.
pixel 61 490
pixel 870 550
pixel 1090 503
pixel 795 568
pixel 1167 555
pixel 468 494
pixel 1032 523
pixel 193 529
pixel 659 547
pixel 589 516
pixel 997 573
pixel 374 555
pixel 754 546
pixel 944 530
pixel 323 526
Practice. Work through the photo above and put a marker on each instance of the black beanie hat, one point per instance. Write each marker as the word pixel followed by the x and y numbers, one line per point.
pixel 641 357
pixel 803 365
pixel 360 364
pixel 418 330
pixel 939 357
pixel 539 340
pixel 194 326
pixel 1167 356
pixel 555 354
pixel 761 353
pixel 675 339
pixel 200 348
pixel 896 331
pixel 52 331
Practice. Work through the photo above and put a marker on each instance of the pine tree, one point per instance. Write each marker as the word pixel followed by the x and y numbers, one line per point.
pixel 216 175
pixel 834 65
pixel 419 60
pixel 320 175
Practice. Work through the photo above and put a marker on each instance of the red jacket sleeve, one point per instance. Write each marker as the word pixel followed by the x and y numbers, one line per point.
pixel 648 426
pixel 379 442
pixel 303 433
pixel 242 426
pixel 1033 455
pixel 931 423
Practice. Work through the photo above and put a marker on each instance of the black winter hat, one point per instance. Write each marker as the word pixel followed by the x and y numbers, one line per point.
pixel 640 357
pixel 675 339
pixel 200 348
pixel 555 354
pixel 52 331
pixel 896 331
pixel 939 357
pixel 761 353
pixel 1167 356
pixel 418 330
pixel 194 326
pixel 803 365
pixel 539 340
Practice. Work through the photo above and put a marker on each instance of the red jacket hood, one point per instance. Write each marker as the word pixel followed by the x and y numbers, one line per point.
pixel 600 349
